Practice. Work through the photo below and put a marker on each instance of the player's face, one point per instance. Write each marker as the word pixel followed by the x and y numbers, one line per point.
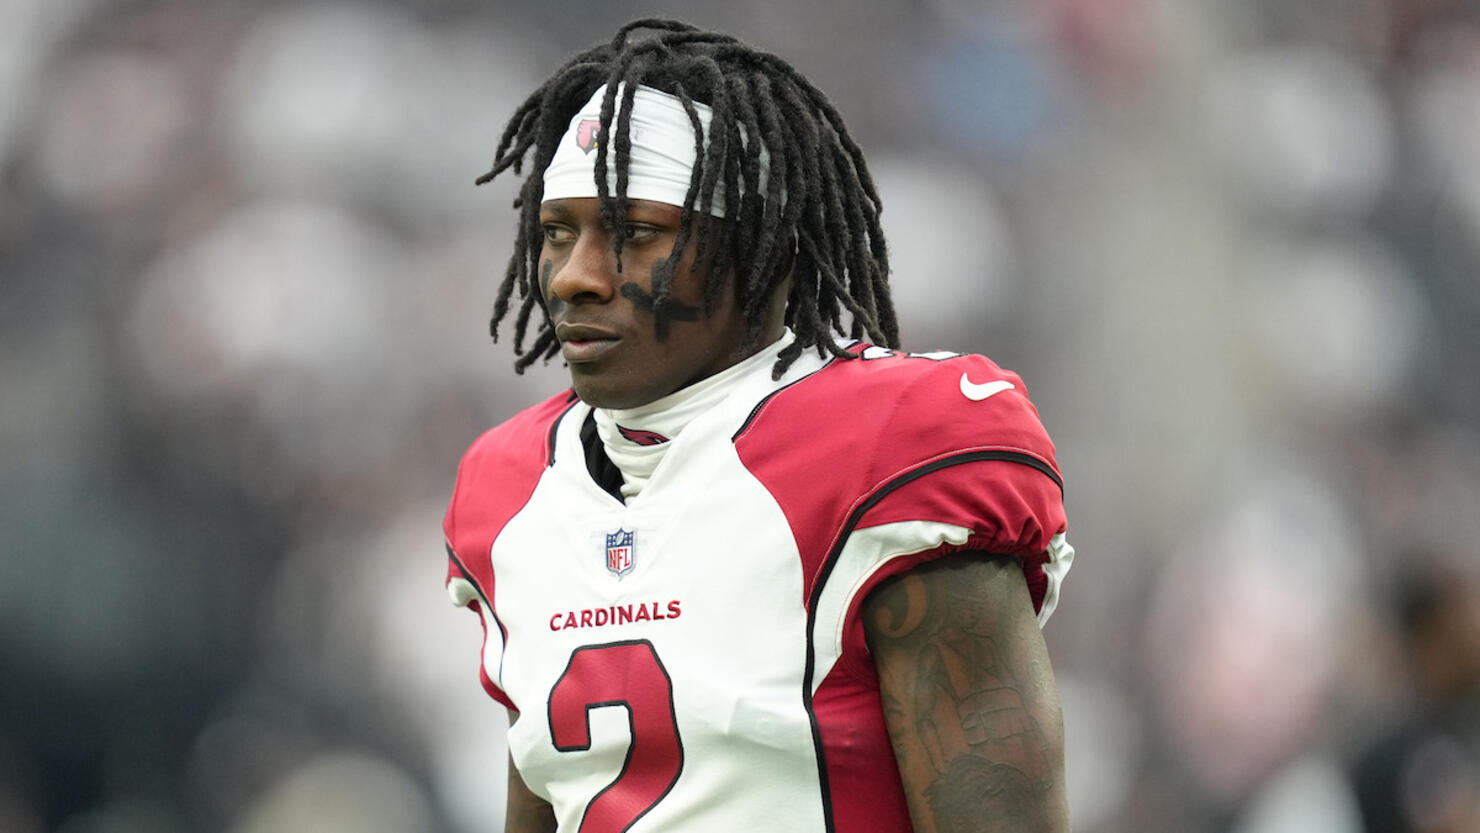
pixel 605 321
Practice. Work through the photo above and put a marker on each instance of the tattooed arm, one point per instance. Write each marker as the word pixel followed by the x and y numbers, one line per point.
pixel 969 698
pixel 525 812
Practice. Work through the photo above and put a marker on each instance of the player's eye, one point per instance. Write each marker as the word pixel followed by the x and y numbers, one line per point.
pixel 557 233
pixel 638 233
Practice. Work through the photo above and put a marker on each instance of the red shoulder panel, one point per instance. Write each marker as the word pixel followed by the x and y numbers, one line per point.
pixel 861 442
pixel 889 437
pixel 494 481
pixel 496 477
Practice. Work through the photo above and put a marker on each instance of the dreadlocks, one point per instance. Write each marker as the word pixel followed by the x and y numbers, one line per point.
pixel 815 223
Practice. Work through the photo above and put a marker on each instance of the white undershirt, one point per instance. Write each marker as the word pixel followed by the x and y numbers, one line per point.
pixel 668 416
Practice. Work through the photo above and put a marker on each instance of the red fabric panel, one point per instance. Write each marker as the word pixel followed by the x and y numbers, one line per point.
pixel 828 446
pixel 495 480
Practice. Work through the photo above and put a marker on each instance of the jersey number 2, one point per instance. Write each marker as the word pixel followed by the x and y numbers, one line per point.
pixel 620 674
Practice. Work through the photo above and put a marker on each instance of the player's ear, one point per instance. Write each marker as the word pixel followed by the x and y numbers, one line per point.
pixel 777 305
pixel 784 275
pixel 781 274
pixel 789 263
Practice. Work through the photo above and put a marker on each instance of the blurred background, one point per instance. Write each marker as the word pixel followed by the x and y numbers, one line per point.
pixel 245 278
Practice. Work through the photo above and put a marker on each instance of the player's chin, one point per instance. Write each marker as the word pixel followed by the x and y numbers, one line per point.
pixel 606 389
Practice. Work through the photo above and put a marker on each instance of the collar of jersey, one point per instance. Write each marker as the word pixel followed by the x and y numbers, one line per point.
pixel 671 414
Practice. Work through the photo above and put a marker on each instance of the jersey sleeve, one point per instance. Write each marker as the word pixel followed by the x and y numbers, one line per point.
pixel 909 458
pixel 963 464
pixel 495 480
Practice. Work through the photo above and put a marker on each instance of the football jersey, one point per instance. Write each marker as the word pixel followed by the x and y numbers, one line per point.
pixel 693 658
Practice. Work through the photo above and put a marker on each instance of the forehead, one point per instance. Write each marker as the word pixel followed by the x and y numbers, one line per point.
pixel 589 208
pixel 661 156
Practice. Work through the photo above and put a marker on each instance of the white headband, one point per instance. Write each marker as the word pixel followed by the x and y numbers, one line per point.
pixel 662 151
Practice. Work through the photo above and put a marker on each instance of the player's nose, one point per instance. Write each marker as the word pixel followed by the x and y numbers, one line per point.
pixel 588 275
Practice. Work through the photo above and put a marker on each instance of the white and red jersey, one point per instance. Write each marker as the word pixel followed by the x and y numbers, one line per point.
pixel 693 659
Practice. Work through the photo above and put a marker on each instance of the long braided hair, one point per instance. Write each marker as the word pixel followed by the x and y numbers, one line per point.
pixel 816 222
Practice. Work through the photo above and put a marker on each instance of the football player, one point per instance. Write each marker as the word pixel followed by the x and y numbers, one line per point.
pixel 758 569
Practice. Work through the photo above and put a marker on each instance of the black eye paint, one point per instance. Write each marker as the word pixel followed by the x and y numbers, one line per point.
pixel 545 269
pixel 672 310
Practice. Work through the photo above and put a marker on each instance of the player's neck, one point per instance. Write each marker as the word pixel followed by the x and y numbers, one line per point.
pixel 637 438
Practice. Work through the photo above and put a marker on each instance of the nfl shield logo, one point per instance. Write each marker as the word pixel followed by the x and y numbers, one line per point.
pixel 620 552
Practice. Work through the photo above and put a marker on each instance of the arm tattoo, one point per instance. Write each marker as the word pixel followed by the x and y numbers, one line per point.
pixel 968 698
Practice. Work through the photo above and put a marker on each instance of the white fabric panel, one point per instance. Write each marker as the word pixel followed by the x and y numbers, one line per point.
pixel 1060 559
pixel 464 593
pixel 734 656
pixel 869 549
pixel 865 552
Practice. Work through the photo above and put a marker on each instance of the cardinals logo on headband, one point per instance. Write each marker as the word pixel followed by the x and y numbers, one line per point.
pixel 588 133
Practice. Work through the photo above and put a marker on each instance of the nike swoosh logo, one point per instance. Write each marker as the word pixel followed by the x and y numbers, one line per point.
pixel 977 393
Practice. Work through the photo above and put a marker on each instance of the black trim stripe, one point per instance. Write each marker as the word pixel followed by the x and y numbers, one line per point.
pixel 832 558
pixel 503 632
pixel 467 576
pixel 555 426
pixel 598 464
pixel 1020 457
pixel 755 412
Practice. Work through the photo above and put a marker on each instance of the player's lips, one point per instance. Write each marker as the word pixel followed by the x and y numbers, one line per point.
pixel 583 342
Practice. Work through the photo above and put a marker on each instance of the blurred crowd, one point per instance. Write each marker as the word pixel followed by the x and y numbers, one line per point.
pixel 245 279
